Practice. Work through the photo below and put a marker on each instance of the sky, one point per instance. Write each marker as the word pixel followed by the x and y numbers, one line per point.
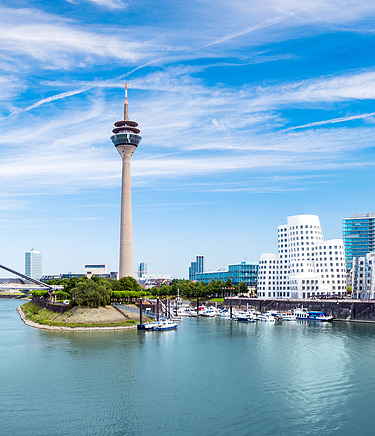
pixel 250 111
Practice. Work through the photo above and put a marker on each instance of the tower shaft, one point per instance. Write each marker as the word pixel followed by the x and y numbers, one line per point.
pixel 126 229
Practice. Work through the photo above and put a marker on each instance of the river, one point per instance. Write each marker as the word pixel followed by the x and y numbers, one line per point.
pixel 209 377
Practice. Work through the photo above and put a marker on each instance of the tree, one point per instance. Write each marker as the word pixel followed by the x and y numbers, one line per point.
pixel 129 284
pixel 242 288
pixel 91 294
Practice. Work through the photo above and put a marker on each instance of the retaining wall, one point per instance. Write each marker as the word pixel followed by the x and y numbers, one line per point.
pixel 344 310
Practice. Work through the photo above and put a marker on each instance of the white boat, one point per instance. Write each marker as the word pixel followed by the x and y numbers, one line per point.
pixel 311 315
pixel 208 312
pixel 185 312
pixel 269 316
pixel 167 324
pixel 288 316
pixel 223 313
pixel 245 317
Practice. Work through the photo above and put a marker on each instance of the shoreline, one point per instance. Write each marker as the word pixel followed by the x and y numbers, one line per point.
pixel 62 328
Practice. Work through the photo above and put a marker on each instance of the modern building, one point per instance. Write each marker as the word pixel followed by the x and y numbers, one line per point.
pixel 305 266
pixel 362 277
pixel 95 270
pixel 142 269
pixel 358 234
pixel 237 273
pixel 33 264
pixel 126 139
pixel 196 267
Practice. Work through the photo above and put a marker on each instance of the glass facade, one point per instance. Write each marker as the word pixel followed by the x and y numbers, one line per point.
pixel 358 234
pixel 126 138
pixel 196 267
pixel 142 269
pixel 33 264
pixel 242 272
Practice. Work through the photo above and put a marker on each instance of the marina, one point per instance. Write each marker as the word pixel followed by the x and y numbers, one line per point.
pixel 213 374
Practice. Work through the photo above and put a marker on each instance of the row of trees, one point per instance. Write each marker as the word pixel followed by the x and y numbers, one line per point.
pixel 97 292
pixel 188 289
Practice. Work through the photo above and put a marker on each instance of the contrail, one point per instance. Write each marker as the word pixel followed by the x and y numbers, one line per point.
pixel 332 121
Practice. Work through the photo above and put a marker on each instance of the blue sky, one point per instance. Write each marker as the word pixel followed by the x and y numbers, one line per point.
pixel 249 111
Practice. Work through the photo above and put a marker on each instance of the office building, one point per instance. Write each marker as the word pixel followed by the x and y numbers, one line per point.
pixel 305 266
pixel 196 267
pixel 358 234
pixel 142 269
pixel 33 264
pixel 126 139
pixel 362 277
pixel 237 273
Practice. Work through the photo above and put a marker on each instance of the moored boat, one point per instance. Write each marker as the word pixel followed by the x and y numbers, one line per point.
pixel 311 315
pixel 167 324
pixel 269 316
pixel 288 316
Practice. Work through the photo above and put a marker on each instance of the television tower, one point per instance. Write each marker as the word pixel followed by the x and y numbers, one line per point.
pixel 126 139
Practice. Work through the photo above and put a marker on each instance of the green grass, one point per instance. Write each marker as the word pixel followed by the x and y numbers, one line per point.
pixel 42 316
pixel 216 300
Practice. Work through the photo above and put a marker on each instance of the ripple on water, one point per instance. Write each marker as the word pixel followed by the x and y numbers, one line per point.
pixel 209 377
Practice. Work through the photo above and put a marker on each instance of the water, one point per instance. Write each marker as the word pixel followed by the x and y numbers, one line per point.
pixel 211 377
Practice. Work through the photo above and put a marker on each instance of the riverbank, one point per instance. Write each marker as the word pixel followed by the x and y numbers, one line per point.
pixel 77 318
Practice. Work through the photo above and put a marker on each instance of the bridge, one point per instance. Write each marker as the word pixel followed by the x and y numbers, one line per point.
pixel 34 285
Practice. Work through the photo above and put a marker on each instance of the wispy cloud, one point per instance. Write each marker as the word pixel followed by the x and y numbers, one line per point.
pixel 267 23
pixel 109 4
pixel 332 121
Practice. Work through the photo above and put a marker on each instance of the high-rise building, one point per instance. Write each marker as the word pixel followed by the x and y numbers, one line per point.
pixel 33 264
pixel 237 273
pixel 363 277
pixel 126 139
pixel 196 267
pixel 358 234
pixel 142 269
pixel 306 265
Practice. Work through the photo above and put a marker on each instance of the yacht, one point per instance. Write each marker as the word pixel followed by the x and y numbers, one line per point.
pixel 167 324
pixel 288 316
pixel 268 316
pixel 311 315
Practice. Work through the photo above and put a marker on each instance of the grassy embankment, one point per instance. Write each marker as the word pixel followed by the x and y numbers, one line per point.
pixel 77 317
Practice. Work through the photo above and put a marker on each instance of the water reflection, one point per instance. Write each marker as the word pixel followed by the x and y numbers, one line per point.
pixel 210 376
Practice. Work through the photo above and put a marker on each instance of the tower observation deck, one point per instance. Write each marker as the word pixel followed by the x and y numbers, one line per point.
pixel 126 139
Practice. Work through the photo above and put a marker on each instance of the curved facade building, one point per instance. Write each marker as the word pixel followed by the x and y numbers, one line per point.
pixel 307 265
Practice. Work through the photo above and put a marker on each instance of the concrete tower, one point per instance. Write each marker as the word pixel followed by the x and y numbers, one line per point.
pixel 126 139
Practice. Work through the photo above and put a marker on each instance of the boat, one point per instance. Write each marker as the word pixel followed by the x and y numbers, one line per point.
pixel 319 316
pixel 147 326
pixel 167 324
pixel 186 312
pixel 268 316
pixel 208 312
pixel 245 317
pixel 311 315
pixel 288 316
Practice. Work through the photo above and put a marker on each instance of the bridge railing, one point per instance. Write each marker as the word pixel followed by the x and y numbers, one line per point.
pixel 135 310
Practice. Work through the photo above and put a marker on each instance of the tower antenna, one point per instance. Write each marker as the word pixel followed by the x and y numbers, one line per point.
pixel 126 111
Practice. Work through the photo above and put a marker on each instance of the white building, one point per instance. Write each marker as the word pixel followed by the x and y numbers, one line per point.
pixel 95 270
pixel 306 265
pixel 33 264
pixel 363 276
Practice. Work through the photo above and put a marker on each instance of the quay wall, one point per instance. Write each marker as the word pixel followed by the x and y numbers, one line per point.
pixel 343 310
pixel 54 307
